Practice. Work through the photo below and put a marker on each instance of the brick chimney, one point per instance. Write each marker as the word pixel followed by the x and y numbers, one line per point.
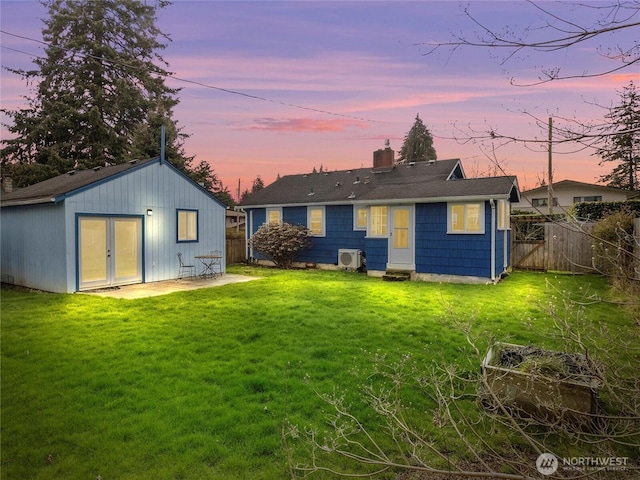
pixel 384 158
pixel 7 185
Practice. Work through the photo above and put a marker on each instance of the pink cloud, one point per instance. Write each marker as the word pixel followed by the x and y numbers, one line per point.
pixel 305 125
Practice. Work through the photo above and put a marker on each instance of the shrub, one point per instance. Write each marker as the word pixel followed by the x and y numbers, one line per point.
pixel 597 210
pixel 280 242
pixel 614 245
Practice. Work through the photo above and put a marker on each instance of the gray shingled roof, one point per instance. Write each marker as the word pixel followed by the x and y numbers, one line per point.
pixel 56 188
pixel 425 181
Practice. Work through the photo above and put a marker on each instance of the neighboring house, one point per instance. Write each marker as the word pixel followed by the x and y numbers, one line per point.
pixel 423 218
pixel 107 226
pixel 565 194
pixel 235 219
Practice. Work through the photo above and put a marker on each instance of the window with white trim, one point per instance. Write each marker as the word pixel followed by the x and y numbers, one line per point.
pixel 593 198
pixel 274 215
pixel 378 221
pixel 465 218
pixel 504 215
pixel 315 221
pixel 359 218
pixel 543 202
pixel 187 225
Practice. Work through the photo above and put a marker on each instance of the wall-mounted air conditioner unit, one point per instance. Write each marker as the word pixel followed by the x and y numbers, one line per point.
pixel 349 258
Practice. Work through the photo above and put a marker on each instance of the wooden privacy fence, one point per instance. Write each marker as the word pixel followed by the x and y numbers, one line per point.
pixel 236 250
pixel 540 245
pixel 537 244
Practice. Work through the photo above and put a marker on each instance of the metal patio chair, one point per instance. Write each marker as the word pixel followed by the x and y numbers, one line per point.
pixel 189 270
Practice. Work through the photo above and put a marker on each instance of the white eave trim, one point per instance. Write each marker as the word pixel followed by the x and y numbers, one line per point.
pixel 388 201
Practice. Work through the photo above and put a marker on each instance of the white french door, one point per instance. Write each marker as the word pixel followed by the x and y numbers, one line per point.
pixel 109 251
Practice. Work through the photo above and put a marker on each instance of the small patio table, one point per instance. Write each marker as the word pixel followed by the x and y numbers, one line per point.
pixel 210 265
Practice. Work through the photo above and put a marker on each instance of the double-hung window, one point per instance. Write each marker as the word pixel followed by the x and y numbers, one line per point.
pixel 274 215
pixel 504 215
pixel 466 217
pixel 187 225
pixel 359 218
pixel 315 221
pixel 378 221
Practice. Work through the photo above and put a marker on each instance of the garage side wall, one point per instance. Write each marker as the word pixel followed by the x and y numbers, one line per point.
pixel 33 251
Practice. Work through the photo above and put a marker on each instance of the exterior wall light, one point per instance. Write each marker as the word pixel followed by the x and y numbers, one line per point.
pixel 149 212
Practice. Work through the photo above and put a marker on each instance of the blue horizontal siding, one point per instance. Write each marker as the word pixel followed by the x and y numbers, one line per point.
pixel 259 216
pixel 295 215
pixel 448 254
pixel 436 251
pixel 377 253
pixel 339 233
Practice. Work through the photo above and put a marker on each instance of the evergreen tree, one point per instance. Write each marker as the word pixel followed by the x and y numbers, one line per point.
pixel 258 184
pixel 205 176
pixel 100 93
pixel 418 144
pixel 621 141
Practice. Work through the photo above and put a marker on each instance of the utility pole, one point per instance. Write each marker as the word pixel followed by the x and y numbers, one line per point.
pixel 550 167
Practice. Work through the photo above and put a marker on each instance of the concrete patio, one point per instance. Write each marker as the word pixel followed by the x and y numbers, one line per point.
pixel 153 289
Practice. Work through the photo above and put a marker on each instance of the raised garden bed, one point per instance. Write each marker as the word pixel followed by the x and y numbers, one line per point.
pixel 547 385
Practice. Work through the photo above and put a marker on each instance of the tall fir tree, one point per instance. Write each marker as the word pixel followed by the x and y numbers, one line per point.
pixel 621 142
pixel 418 144
pixel 100 93
pixel 256 186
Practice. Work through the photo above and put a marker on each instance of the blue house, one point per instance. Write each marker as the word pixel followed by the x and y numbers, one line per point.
pixel 424 218
pixel 107 226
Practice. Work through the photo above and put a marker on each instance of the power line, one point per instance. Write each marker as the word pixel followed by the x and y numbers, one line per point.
pixel 185 80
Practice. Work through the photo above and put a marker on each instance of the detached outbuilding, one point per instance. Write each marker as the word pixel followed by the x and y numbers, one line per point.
pixel 425 220
pixel 107 226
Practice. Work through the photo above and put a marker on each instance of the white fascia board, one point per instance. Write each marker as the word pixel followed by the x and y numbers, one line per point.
pixel 388 201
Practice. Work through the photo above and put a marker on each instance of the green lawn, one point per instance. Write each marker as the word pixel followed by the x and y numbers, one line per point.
pixel 196 385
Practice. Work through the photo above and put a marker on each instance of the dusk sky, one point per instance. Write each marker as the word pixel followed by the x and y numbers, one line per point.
pixel 335 79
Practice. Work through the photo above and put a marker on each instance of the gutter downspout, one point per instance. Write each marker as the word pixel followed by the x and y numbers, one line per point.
pixel 248 227
pixel 493 239
pixel 505 249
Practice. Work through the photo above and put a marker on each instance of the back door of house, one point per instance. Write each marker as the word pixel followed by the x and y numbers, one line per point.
pixel 401 238
pixel 109 251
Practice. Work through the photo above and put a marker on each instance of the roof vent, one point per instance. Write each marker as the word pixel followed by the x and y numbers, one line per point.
pixel 311 192
pixel 352 196
pixel 357 180
pixel 133 161
pixel 71 172
pixel 95 169
pixel 338 184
